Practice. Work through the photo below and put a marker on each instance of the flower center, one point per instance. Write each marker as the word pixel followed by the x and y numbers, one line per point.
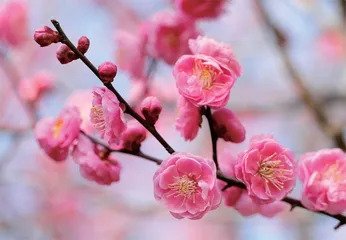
pixel 185 186
pixel 273 171
pixel 97 117
pixel 172 39
pixel 334 173
pixel 59 123
pixel 206 74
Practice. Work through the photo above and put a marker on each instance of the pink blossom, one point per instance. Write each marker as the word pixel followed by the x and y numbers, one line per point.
pixel 169 33
pixel 200 9
pixel 83 44
pixel 55 136
pixel 189 119
pixel 238 198
pixel 106 115
pixel 130 54
pixel 82 99
pixel 267 169
pixel 14 23
pixel 107 72
pixel 30 89
pixel 95 164
pixel 151 109
pixel 186 185
pixel 228 126
pixel 64 54
pixel 203 81
pixel 133 136
pixel 45 36
pixel 221 52
pixel 324 183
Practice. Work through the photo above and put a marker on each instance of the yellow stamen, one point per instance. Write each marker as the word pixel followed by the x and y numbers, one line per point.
pixel 185 186
pixel 59 123
pixel 206 74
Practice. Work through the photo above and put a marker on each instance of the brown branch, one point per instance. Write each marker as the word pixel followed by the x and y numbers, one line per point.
pixel 208 115
pixel 229 181
pixel 151 128
pixel 335 134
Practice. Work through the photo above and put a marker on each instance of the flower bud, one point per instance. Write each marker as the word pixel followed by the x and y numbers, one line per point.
pixel 65 54
pixel 151 109
pixel 228 126
pixel 133 136
pixel 83 44
pixel 107 72
pixel 45 36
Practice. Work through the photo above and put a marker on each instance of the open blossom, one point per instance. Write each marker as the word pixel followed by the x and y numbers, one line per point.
pixel 55 136
pixel 14 23
pixel 324 182
pixel 94 163
pixel 107 115
pixel 203 81
pixel 221 52
pixel 267 169
pixel 31 89
pixel 168 35
pixel 200 9
pixel 239 199
pixel 82 99
pixel 133 136
pixel 186 185
pixel 228 126
pixel 130 53
pixel 189 119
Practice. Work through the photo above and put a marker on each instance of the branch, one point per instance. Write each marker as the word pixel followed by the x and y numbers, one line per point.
pixel 207 113
pixel 151 128
pixel 335 134
pixel 231 182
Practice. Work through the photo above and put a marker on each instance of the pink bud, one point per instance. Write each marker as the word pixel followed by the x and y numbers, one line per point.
pixel 65 54
pixel 107 71
pixel 133 136
pixel 83 44
pixel 151 109
pixel 45 36
pixel 228 126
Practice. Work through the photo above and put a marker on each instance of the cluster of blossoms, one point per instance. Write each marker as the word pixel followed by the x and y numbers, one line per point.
pixel 205 72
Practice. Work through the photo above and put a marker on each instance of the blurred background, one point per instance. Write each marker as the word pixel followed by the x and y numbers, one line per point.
pixel 41 199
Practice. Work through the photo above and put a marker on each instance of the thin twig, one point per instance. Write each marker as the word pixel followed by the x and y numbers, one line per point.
pixel 335 134
pixel 151 128
pixel 213 135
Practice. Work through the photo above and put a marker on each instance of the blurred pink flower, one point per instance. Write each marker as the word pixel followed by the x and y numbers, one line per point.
pixel 324 183
pixel 107 116
pixel 130 53
pixel 228 126
pixel 239 198
pixel 267 169
pixel 14 23
pixel 151 109
pixel 55 136
pixel 200 9
pixel 221 52
pixel 168 35
pixel 82 100
pixel 133 136
pixel 83 44
pixel 203 81
pixel 332 44
pixel 32 88
pixel 186 185
pixel 94 163
pixel 189 119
